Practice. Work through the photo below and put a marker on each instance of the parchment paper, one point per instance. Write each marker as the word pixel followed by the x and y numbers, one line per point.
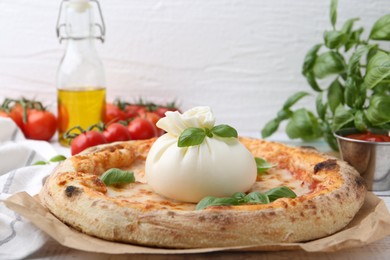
pixel 372 223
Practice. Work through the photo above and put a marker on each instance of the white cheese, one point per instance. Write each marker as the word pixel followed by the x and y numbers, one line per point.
pixel 217 167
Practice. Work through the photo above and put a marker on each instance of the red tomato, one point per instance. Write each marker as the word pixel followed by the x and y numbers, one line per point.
pixel 370 137
pixel 86 140
pixel 151 116
pixel 40 125
pixel 114 114
pixel 134 110
pixel 142 128
pixel 116 132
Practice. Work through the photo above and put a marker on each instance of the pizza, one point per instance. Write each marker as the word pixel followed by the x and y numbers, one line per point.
pixel 329 194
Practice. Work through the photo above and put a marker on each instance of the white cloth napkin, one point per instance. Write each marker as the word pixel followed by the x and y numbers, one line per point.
pixel 18 237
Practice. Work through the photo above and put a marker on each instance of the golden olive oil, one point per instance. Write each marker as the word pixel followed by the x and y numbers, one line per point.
pixel 79 107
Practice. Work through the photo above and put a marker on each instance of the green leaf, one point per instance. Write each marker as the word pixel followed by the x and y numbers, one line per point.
pixel 348 25
pixel 335 95
pixel 341 118
pixel 351 92
pixel 310 77
pixel 354 39
pixel 381 29
pixel 304 125
pixel 284 114
pixel 224 131
pixel 58 158
pixel 213 201
pixel 270 128
pixel 333 12
pixel 327 64
pixel 335 39
pixel 117 176
pixel 191 136
pixel 294 99
pixel 40 163
pixel 378 112
pixel 280 192
pixel 240 196
pixel 262 165
pixel 354 61
pixel 257 198
pixel 359 121
pixel 310 58
pixel 321 107
pixel 378 69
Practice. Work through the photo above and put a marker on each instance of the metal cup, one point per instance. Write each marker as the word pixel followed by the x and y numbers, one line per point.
pixel 370 159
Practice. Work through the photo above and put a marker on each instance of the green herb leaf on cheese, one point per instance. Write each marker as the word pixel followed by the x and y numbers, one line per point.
pixel 117 176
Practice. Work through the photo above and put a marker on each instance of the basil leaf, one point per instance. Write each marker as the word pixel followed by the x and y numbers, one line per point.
pixel 191 136
pixel 40 163
pixel 381 29
pixel 341 118
pixel 270 128
pixel 294 99
pixel 310 77
pixel 333 12
pixel 354 61
pixel 328 63
pixel 224 131
pixel 335 95
pixel 57 158
pixel 284 114
pixel 321 107
pixel 303 124
pixel 117 176
pixel 257 197
pixel 310 58
pixel 262 165
pixel 351 92
pixel 280 192
pixel 213 201
pixel 347 26
pixel 378 68
pixel 359 121
pixel 335 39
pixel 239 195
pixel 378 110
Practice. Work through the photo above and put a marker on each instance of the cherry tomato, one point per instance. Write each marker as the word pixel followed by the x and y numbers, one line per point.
pixel 141 128
pixel 370 137
pixel 134 110
pixel 116 132
pixel 86 140
pixel 114 114
pixel 40 125
pixel 151 116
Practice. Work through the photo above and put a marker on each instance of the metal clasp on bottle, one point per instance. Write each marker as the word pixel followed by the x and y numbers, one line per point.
pixel 101 26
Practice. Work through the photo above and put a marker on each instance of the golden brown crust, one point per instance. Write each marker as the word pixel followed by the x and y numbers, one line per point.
pixel 134 214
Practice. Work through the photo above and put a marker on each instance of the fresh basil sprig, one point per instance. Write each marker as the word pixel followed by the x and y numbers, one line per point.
pixel 262 165
pixel 357 91
pixel 241 198
pixel 117 176
pixel 195 136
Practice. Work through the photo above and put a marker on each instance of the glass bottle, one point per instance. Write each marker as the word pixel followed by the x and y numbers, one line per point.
pixel 81 90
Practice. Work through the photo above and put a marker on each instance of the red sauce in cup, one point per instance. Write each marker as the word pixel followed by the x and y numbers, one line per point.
pixel 370 137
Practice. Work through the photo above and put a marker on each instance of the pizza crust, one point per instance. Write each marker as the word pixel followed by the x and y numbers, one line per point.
pixel 75 194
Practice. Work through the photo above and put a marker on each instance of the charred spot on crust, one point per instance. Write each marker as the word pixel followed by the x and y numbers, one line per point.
pixel 360 181
pixel 71 191
pixel 327 165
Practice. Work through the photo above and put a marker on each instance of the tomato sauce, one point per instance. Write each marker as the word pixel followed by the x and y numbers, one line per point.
pixel 371 137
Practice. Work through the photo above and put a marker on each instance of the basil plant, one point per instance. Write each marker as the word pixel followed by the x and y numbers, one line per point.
pixel 358 94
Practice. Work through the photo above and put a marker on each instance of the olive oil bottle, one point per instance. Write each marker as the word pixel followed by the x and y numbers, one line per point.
pixel 81 90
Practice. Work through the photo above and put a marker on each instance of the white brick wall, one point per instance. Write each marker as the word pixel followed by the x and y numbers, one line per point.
pixel 241 57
